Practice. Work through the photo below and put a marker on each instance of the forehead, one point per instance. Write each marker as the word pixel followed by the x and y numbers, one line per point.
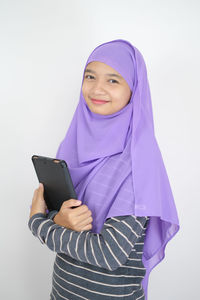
pixel 101 68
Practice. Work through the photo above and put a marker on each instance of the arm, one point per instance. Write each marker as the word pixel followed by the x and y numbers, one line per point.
pixel 109 249
pixel 78 219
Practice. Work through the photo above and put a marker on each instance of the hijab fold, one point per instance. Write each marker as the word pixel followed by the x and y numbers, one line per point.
pixel 114 160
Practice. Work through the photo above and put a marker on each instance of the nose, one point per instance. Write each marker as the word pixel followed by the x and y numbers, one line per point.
pixel 98 87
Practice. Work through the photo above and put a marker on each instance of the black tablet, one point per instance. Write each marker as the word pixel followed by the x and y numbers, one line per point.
pixel 55 176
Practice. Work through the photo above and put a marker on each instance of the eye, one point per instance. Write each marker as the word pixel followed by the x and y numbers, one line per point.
pixel 89 77
pixel 113 81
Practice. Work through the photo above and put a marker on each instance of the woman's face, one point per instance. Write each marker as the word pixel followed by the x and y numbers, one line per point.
pixel 102 82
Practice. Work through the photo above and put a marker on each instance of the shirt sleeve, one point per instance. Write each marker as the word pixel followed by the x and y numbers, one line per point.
pixel 109 249
pixel 51 214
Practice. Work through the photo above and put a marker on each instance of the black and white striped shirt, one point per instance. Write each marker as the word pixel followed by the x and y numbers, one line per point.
pixel 95 266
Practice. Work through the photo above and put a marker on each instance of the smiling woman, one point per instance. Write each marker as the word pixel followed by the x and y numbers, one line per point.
pixel 119 175
pixel 104 89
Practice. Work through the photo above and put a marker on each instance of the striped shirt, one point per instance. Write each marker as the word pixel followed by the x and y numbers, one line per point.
pixel 95 266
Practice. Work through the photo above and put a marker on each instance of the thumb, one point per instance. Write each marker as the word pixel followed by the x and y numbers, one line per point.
pixel 71 202
pixel 41 188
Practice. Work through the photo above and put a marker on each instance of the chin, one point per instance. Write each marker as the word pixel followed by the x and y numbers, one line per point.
pixel 98 111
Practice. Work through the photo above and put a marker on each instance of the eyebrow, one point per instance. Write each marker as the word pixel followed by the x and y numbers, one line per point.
pixel 110 74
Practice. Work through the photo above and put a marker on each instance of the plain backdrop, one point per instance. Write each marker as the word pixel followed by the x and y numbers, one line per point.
pixel 44 46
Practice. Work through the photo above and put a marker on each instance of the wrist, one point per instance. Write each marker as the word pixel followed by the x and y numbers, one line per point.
pixel 56 218
pixel 51 214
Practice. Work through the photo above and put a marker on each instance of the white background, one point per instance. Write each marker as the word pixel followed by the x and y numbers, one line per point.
pixel 44 46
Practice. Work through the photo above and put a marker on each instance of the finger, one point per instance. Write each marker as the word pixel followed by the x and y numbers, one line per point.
pixel 35 195
pixel 81 210
pixel 71 202
pixel 84 215
pixel 41 188
pixel 85 222
pixel 41 191
pixel 87 227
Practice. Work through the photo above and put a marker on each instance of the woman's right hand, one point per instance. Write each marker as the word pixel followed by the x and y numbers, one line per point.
pixel 78 219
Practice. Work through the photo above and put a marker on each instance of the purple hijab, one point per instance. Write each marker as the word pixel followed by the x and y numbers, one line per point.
pixel 114 160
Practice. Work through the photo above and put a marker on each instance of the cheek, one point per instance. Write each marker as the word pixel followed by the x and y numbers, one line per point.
pixel 126 95
pixel 84 90
pixel 122 96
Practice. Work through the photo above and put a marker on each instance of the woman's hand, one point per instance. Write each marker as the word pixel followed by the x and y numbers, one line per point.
pixel 38 202
pixel 78 219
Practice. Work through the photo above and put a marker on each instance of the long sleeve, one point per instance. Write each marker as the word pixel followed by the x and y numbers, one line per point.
pixel 108 249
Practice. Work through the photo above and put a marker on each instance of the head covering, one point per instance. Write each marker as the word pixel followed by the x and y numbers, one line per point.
pixel 114 160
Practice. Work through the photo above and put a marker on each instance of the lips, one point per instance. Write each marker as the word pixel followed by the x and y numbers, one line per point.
pixel 99 101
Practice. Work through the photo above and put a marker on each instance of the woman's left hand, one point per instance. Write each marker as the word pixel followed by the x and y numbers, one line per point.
pixel 38 202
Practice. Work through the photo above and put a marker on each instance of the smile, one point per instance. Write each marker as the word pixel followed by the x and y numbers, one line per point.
pixel 95 101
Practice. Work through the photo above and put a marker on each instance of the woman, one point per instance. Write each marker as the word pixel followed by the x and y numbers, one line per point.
pixel 107 247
